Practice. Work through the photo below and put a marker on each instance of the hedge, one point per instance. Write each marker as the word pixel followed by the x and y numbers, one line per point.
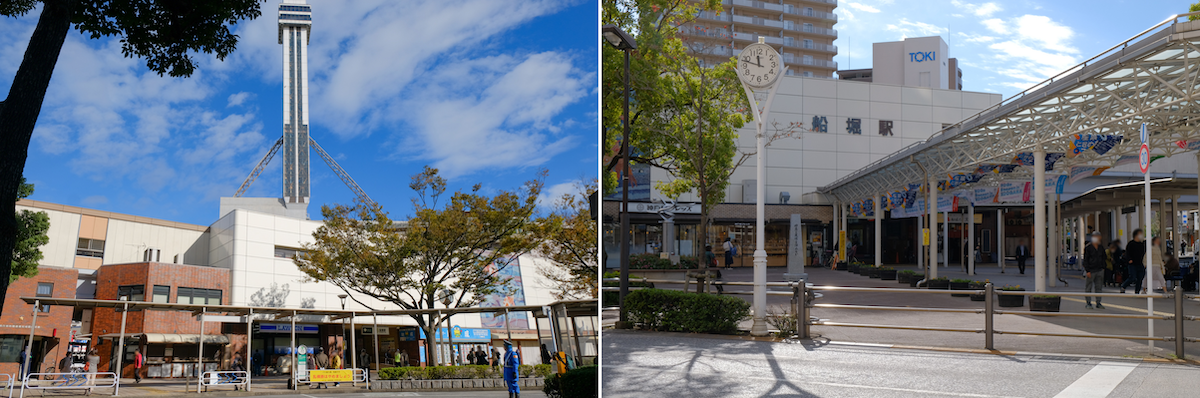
pixel 677 311
pixel 458 372
pixel 655 261
pixel 580 382
pixel 613 298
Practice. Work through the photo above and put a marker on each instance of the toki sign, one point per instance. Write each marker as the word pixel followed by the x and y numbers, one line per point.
pixel 922 56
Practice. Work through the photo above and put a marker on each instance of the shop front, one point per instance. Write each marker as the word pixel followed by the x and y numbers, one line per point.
pixel 271 344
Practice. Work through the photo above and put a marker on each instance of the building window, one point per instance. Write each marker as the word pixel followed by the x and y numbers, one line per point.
pixel 45 289
pixel 808 43
pixel 152 255
pixel 191 295
pixel 131 293
pixel 162 294
pixel 808 60
pixel 90 248
pixel 808 27
pixel 287 252
pixel 808 74
pixel 808 11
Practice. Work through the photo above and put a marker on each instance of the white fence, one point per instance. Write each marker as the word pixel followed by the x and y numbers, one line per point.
pixel 73 381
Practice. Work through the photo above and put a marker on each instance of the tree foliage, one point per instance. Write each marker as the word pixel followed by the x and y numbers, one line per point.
pixel 569 242
pixel 460 246
pixel 684 114
pixel 32 227
pixel 166 33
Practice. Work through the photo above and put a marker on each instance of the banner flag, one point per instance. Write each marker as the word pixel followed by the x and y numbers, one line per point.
pixel 986 195
pixel 1108 143
pixel 1014 191
pixel 1080 172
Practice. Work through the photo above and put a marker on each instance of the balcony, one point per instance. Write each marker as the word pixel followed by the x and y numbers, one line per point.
pixel 833 2
pixel 829 16
pixel 718 51
pixel 820 63
pixel 813 30
pixel 711 15
pixel 758 21
pixel 811 46
pixel 757 4
pixel 704 31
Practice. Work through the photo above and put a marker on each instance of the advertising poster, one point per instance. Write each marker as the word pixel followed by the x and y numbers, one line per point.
pixel 985 195
pixel 1080 172
pixel 510 270
pixel 1014 191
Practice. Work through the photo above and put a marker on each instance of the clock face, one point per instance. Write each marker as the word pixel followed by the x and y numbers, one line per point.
pixel 759 65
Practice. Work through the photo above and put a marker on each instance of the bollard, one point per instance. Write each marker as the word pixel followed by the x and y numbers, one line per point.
pixel 801 293
pixel 1179 320
pixel 988 327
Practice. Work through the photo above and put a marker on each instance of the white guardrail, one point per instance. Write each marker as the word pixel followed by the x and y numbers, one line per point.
pixel 237 378
pixel 72 381
pixel 7 381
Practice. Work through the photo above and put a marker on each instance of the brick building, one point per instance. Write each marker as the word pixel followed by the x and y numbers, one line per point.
pixel 169 339
pixel 53 323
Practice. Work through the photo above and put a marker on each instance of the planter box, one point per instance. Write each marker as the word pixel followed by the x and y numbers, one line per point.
pixel 903 277
pixel 936 284
pixel 852 267
pixel 1044 304
pixel 1011 301
pixel 960 286
pixel 453 384
pixel 841 266
pixel 873 272
pixel 979 297
pixel 887 274
pixel 912 280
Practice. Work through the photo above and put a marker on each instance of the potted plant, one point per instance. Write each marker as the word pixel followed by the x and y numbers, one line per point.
pixel 960 284
pixel 977 285
pixel 887 273
pixel 904 276
pixel 912 280
pixel 1014 300
pixel 939 283
pixel 1044 302
pixel 872 271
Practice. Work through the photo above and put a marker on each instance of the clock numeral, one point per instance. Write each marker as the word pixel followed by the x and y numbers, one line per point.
pixel 746 71
pixel 773 64
pixel 758 79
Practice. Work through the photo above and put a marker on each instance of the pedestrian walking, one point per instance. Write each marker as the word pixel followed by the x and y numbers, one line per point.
pixel 93 366
pixel 546 360
pixel 237 364
pixel 137 365
pixel 21 359
pixel 1154 270
pixel 728 247
pixel 404 358
pixel 1093 266
pixel 710 259
pixel 1134 259
pixel 322 363
pixel 364 361
pixel 511 360
pixel 495 358
pixel 1022 255
pixel 335 362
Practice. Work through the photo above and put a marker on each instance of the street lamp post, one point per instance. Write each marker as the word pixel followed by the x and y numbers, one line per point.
pixel 343 297
pixel 622 41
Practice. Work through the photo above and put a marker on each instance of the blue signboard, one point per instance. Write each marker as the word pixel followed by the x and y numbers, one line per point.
pixel 460 335
pixel 287 328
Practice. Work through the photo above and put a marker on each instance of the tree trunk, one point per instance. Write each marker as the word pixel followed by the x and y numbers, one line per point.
pixel 702 231
pixel 19 115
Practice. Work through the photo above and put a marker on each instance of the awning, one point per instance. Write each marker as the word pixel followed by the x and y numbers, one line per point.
pixel 177 338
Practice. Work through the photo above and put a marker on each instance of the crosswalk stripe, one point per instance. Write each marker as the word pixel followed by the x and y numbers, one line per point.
pixel 1100 381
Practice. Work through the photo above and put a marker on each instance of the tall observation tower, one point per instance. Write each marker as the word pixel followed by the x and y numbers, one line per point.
pixel 295 28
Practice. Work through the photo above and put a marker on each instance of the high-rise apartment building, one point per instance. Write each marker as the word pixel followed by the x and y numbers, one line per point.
pixel 801 30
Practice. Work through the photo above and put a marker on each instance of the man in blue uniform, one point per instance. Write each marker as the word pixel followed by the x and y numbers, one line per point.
pixel 511 360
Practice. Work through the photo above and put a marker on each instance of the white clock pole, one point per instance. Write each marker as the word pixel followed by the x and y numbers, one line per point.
pixel 759 328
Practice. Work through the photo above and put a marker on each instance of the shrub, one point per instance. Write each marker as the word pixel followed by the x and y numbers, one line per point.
pixel 552 387
pixel 908 272
pixel 784 321
pixel 458 372
pixel 961 280
pixel 613 298
pixel 940 278
pixel 1011 287
pixel 676 311
pixel 1045 296
pixel 580 382
pixel 688 262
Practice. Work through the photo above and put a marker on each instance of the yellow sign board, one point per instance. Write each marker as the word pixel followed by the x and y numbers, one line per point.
pixel 841 245
pixel 925 236
pixel 321 376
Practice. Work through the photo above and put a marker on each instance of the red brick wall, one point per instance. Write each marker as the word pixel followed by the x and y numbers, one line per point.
pixel 17 315
pixel 110 277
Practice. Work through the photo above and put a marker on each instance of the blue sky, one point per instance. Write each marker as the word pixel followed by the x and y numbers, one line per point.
pixel 1002 46
pixel 487 91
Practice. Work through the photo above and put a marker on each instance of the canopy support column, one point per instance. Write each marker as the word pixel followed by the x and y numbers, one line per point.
pixel 970 238
pixel 931 210
pixel 1039 219
pixel 1000 239
pixel 878 231
pixel 945 238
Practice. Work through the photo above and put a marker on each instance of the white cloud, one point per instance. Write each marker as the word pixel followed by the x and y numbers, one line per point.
pixel 552 194
pixel 980 10
pixel 239 98
pixel 974 38
pixel 995 25
pixel 862 7
pixel 847 15
pixel 908 28
pixel 1052 35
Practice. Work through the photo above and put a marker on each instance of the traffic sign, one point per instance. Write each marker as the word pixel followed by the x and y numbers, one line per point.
pixel 1144 158
pixel 1143 133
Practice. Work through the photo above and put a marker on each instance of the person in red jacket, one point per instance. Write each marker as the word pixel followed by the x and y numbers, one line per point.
pixel 137 366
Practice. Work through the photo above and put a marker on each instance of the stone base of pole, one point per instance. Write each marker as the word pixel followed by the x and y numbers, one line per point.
pixel 759 328
pixel 623 325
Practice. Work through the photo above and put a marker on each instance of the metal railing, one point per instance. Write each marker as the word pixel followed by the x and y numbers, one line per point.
pixel 8 382
pixel 72 381
pixel 237 378
pixel 989 310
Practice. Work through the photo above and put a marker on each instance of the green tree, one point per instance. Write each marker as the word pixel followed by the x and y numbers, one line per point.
pixel 166 33
pixel 459 248
pixel 569 242
pixel 684 114
pixel 31 236
pixel 1195 7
